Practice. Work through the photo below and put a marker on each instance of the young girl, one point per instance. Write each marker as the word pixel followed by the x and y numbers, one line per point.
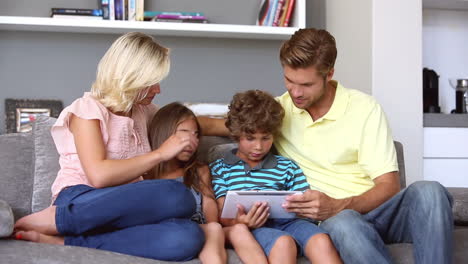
pixel 176 120
pixel 100 200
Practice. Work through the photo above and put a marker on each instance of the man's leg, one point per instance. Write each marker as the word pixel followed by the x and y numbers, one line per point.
pixel 356 240
pixel 421 214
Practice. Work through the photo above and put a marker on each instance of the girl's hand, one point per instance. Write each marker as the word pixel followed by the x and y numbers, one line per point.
pixel 256 217
pixel 175 144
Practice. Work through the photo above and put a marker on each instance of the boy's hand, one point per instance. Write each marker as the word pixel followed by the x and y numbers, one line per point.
pixel 256 217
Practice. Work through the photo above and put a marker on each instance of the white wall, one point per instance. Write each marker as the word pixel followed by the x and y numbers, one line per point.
pixel 350 22
pixel 445 38
pixel 397 74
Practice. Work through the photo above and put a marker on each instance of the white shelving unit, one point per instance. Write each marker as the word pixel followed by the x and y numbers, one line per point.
pixel 22 23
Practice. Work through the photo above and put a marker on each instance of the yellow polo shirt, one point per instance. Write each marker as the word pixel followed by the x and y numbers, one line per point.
pixel 343 151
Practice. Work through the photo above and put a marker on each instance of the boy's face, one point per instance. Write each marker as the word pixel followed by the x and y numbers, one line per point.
pixel 254 147
pixel 187 128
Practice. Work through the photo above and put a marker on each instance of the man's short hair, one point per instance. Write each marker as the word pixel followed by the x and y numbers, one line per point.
pixel 254 111
pixel 310 47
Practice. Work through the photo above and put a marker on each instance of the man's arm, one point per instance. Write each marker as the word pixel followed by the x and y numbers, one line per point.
pixel 213 126
pixel 319 206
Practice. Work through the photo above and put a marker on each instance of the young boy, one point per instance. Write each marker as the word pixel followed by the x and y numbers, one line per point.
pixel 254 117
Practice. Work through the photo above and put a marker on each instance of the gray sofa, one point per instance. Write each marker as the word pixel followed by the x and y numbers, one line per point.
pixel 29 163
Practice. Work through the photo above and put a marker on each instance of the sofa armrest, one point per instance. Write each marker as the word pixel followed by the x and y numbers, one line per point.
pixel 460 205
pixel 6 219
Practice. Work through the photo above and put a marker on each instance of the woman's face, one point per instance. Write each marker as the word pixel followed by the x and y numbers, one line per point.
pixel 150 92
pixel 187 128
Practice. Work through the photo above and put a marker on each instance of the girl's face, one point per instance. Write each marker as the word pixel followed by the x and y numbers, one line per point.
pixel 150 92
pixel 187 128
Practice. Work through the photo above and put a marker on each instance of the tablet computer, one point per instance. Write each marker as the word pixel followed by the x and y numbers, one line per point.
pixel 247 198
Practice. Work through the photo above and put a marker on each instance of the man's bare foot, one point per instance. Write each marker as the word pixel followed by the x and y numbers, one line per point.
pixel 37 237
pixel 42 222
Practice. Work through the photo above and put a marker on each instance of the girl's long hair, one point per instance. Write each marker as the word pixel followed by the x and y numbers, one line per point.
pixel 164 125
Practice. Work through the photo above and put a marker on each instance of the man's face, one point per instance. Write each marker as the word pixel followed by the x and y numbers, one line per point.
pixel 305 86
pixel 253 147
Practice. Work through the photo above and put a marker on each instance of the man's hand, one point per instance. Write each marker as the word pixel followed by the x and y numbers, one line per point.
pixel 315 205
pixel 256 217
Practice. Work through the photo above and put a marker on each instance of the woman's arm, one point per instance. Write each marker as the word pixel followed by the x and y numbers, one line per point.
pixel 102 172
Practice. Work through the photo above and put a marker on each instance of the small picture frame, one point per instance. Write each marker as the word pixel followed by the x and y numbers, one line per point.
pixel 21 113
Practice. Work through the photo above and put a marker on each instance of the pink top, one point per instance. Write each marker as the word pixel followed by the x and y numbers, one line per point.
pixel 124 137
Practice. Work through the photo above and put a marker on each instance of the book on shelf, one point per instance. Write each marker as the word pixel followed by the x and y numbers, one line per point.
pixel 75 11
pixel 131 10
pixel 204 21
pixel 149 15
pixel 77 17
pixel 276 13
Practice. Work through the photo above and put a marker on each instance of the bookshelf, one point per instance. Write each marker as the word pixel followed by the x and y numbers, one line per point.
pixel 47 24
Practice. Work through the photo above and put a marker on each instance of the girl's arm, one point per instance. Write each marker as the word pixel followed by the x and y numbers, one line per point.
pixel 102 172
pixel 210 209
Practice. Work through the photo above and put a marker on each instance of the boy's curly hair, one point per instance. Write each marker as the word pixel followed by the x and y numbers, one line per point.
pixel 254 111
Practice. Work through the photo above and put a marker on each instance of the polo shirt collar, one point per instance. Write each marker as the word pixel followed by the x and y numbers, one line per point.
pixel 268 162
pixel 338 108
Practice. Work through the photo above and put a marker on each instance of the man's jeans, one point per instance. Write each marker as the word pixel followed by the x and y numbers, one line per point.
pixel 148 219
pixel 420 214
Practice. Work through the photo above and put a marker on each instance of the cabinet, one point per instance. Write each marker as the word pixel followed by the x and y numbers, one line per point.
pixel 446 155
pixel 30 23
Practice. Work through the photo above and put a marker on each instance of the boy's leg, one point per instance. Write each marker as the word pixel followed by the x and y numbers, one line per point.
pixel 278 245
pixel 245 245
pixel 313 242
pixel 170 240
pixel 421 214
pixel 108 209
pixel 213 250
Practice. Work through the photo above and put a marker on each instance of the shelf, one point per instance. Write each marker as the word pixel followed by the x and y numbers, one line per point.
pixel 23 23
pixel 446 4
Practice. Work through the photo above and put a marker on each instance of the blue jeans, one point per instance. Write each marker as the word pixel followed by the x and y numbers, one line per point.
pixel 420 214
pixel 148 219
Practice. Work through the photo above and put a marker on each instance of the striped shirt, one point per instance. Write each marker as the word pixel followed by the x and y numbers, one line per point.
pixel 230 173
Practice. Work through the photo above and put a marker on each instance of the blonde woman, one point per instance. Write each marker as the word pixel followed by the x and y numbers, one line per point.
pixel 99 198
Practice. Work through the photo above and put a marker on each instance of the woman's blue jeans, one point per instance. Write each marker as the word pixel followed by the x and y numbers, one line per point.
pixel 149 219
pixel 420 214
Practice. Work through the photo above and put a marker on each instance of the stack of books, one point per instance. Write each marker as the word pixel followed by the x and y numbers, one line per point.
pixel 131 10
pixel 275 13
pixel 180 17
pixel 76 13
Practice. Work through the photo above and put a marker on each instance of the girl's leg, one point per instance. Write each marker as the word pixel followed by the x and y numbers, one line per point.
pixel 245 245
pixel 213 251
pixel 81 208
pixel 320 249
pixel 170 240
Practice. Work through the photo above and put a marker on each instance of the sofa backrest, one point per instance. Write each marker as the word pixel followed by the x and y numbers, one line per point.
pixel 29 165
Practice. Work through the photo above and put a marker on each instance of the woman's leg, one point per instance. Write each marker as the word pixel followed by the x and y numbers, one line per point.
pixel 213 251
pixel 245 245
pixel 170 240
pixel 80 209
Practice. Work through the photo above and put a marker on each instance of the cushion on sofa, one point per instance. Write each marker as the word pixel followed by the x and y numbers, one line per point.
pixel 46 163
pixel 6 219
pixel 16 169
pixel 460 205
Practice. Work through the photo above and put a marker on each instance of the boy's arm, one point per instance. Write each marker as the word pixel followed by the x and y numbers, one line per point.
pixel 213 126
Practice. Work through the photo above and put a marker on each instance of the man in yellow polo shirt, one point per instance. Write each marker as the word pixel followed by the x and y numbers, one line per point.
pixel 341 140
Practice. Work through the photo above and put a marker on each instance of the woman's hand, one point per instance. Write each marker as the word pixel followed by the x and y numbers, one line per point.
pixel 175 144
pixel 256 217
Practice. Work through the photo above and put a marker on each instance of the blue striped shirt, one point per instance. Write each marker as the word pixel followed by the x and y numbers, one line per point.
pixel 230 173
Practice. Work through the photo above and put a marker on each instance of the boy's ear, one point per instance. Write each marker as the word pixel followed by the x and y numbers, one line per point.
pixel 273 150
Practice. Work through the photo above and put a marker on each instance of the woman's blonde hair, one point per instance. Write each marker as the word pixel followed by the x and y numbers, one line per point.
pixel 134 62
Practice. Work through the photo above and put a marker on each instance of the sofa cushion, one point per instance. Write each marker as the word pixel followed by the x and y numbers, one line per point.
pixel 460 205
pixel 6 219
pixel 217 152
pixel 16 170
pixel 46 163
